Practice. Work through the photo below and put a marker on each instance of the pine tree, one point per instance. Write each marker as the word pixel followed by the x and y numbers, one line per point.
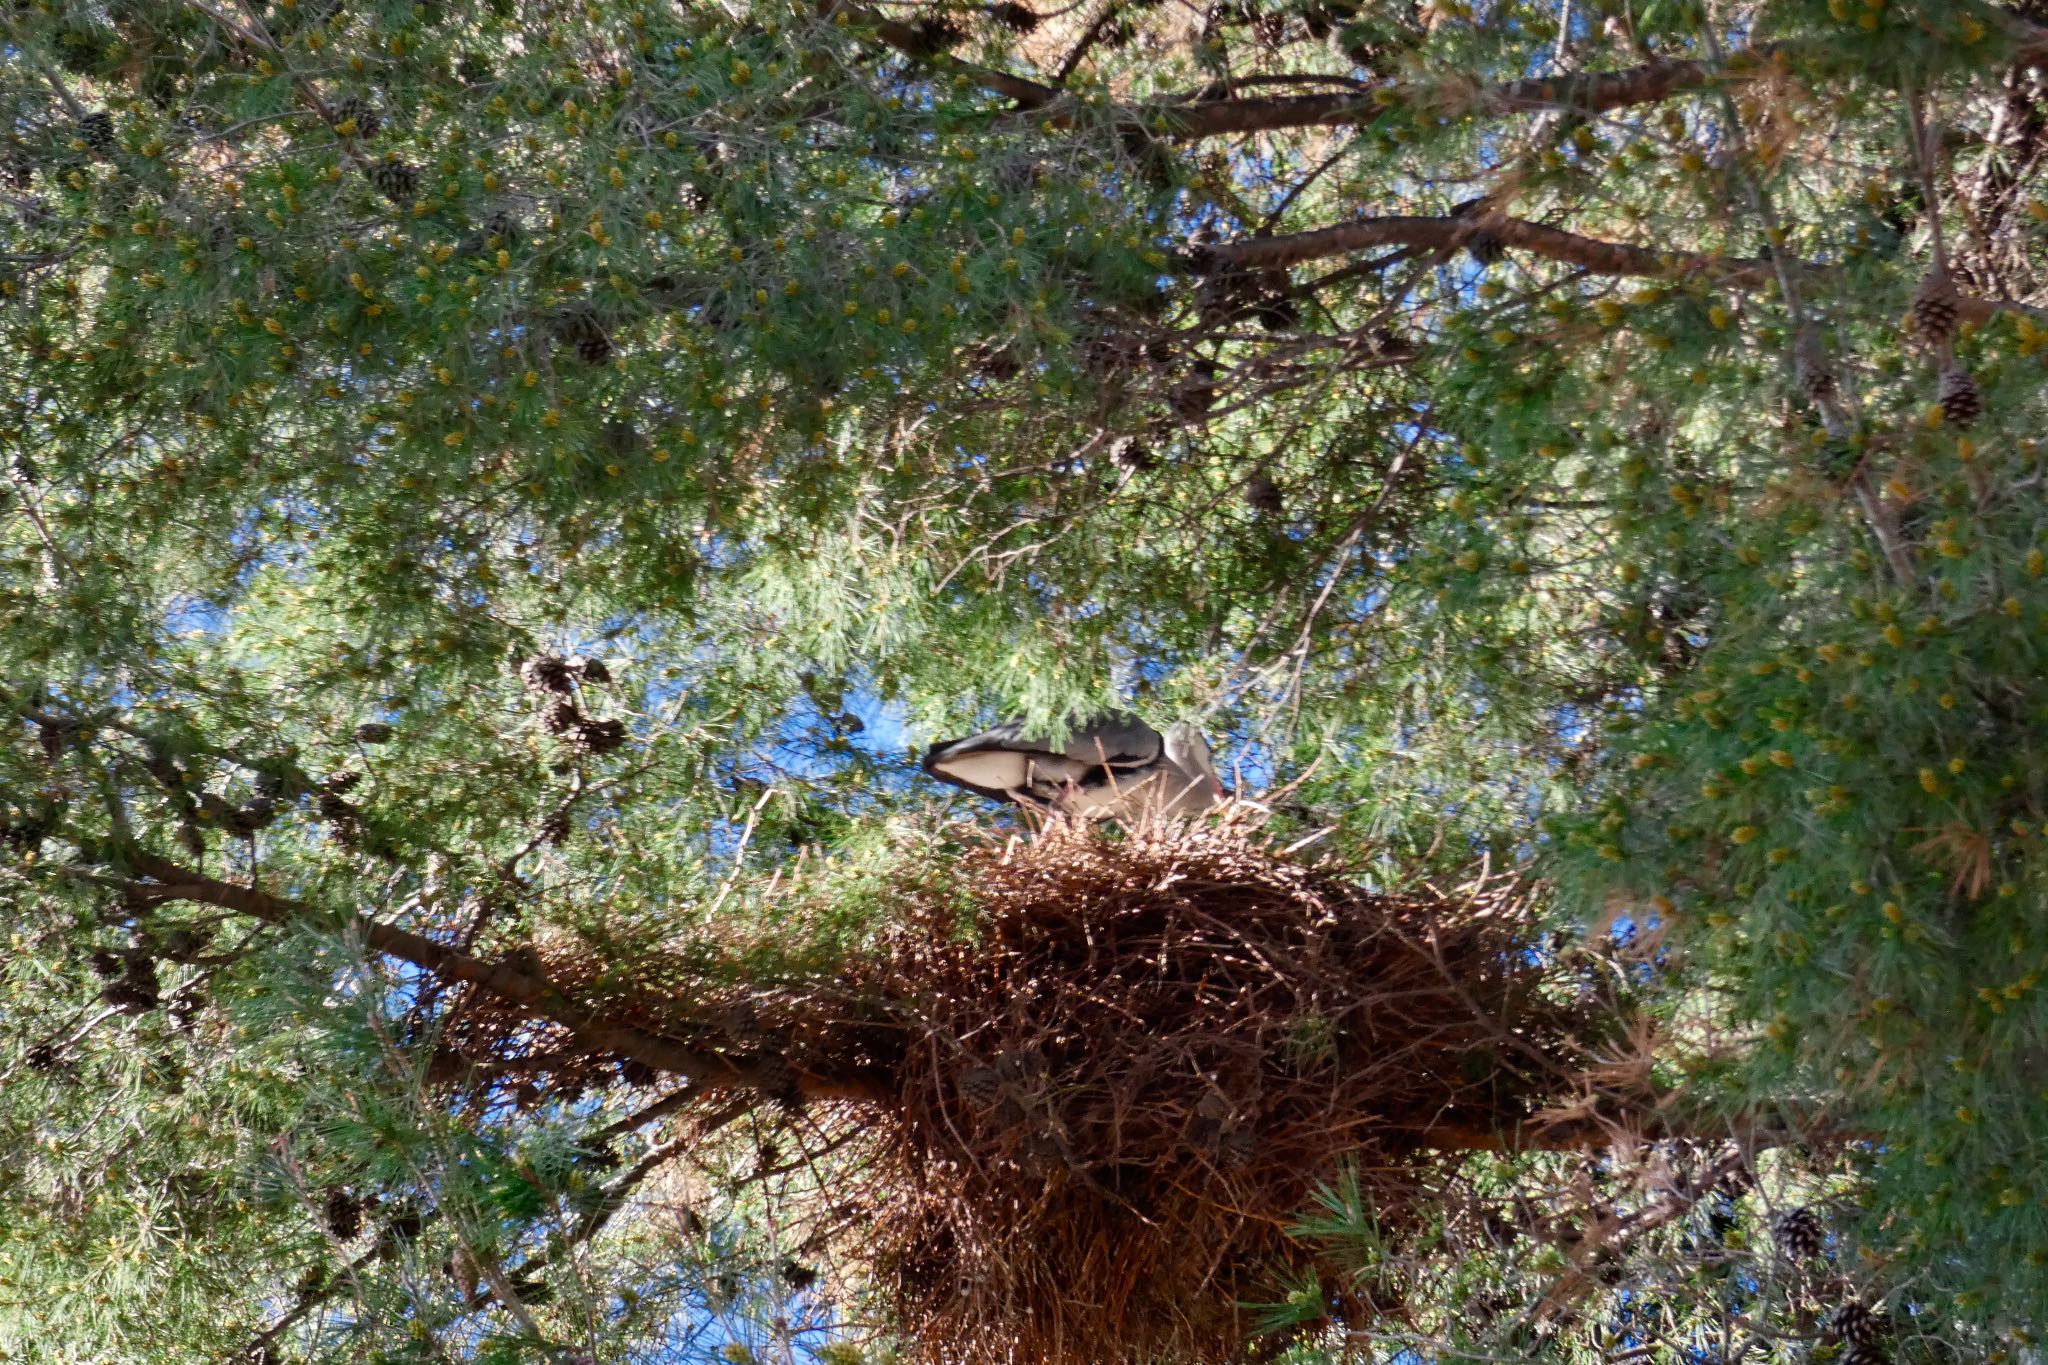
pixel 492 489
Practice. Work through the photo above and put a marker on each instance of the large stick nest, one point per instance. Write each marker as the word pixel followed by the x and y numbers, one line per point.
pixel 1122 1082
pixel 1114 1070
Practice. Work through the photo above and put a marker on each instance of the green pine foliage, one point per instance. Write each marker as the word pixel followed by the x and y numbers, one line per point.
pixel 1506 423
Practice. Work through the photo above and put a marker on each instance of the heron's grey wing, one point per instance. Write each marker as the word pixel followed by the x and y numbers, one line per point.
pixel 989 772
pixel 999 763
pixel 1116 739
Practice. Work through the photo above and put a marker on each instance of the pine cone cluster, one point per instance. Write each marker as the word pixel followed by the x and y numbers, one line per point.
pixel 1277 312
pixel 1961 401
pixel 1799 1234
pixel 26 834
pixel 557 677
pixel 1265 496
pixel 249 817
pixel 1862 1331
pixel 54 735
pixel 1860 1325
pixel 1810 361
pixel 581 330
pixel 1486 248
pixel 344 815
pixel 1936 306
pixel 1191 399
pixel 931 36
pixel 1735 1183
pixel 337 809
pixel 1135 454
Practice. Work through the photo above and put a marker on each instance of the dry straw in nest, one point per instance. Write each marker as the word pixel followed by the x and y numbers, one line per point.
pixel 1103 1074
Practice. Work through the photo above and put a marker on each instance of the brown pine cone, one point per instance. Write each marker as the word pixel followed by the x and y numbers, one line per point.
pixel 558 716
pixel 1810 361
pixel 1960 399
pixel 1799 1234
pixel 547 673
pixel 396 181
pixel 1936 306
pixel 600 736
pixel 1860 1325
pixel 980 1086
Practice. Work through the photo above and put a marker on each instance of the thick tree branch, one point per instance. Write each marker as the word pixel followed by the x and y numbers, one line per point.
pixel 708 1070
pixel 913 42
pixel 1584 93
pixel 1449 233
pixel 1984 311
pixel 1590 254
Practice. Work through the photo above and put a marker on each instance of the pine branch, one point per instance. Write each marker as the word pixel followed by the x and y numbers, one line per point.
pixel 609 1203
pixel 1611 1235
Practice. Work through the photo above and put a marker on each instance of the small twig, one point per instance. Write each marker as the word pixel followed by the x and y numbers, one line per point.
pixel 1923 158
pixel 71 105
pixel 739 853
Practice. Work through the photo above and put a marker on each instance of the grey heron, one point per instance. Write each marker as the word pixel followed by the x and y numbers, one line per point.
pixel 1112 766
